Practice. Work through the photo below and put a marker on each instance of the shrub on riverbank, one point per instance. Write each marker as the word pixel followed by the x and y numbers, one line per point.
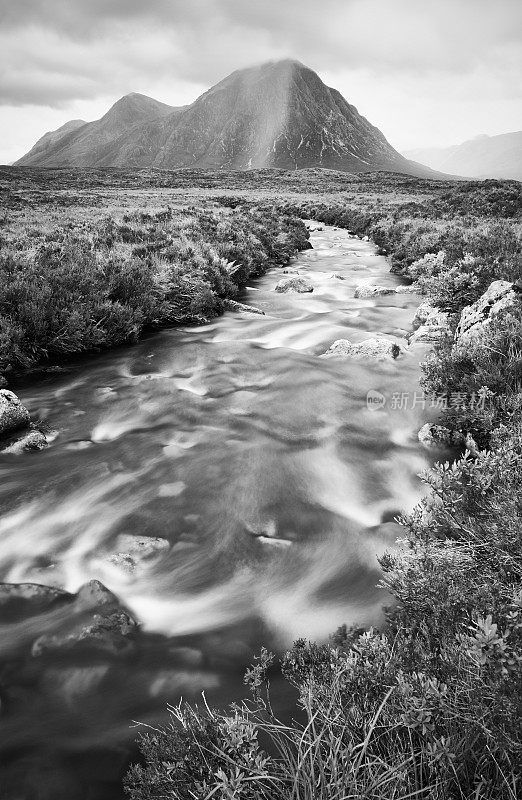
pixel 88 286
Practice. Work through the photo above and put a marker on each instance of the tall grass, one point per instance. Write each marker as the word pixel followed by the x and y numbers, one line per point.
pixel 91 285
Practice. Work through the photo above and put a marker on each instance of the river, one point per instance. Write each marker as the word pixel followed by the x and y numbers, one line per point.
pixel 274 483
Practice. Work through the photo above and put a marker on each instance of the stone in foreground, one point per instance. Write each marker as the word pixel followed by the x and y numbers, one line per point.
pixel 294 284
pixel 26 442
pixel 379 349
pixel 95 618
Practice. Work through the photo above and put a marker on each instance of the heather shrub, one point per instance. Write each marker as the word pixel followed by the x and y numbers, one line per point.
pixel 488 369
pixel 89 286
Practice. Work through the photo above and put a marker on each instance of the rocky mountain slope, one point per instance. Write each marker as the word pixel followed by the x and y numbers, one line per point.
pixel 482 157
pixel 278 114
pixel 79 143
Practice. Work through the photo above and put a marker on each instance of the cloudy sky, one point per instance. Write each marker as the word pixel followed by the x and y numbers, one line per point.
pixel 426 72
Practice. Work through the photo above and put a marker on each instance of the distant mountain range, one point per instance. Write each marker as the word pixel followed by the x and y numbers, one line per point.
pixel 278 115
pixel 482 157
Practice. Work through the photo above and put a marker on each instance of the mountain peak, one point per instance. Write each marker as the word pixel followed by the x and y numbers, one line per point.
pixel 278 114
pixel 135 106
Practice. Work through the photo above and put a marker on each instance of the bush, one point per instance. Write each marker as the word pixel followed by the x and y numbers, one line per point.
pixel 87 287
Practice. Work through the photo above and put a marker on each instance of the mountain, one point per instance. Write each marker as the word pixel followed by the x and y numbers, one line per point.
pixel 482 157
pixel 278 114
pixel 77 143
pixel 46 143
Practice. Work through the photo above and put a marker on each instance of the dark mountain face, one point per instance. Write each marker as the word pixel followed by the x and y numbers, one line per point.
pixel 276 115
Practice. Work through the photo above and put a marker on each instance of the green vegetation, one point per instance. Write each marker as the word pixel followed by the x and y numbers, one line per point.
pixel 87 285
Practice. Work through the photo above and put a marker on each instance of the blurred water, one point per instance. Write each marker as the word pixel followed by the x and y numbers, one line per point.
pixel 261 464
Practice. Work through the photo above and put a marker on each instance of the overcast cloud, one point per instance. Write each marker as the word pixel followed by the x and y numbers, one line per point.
pixel 424 71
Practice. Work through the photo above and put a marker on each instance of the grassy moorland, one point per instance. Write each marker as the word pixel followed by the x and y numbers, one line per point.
pixel 73 281
pixel 430 706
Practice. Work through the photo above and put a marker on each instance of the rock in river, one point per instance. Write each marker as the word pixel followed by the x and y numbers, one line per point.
pixel 294 284
pixel 13 415
pixel 372 291
pixel 92 617
pixel 379 349
pixel 25 441
pixel 96 619
pixel 233 305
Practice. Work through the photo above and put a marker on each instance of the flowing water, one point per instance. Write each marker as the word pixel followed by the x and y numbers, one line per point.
pixel 261 464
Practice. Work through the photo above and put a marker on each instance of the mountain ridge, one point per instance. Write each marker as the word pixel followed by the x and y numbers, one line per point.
pixel 483 156
pixel 276 115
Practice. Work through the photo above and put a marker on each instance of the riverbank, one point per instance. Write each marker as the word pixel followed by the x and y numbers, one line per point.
pixel 73 283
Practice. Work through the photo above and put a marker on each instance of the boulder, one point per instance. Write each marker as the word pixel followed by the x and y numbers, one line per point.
pixel 499 299
pixel 233 305
pixel 372 291
pixel 379 349
pixel 25 442
pixel 95 618
pixel 13 415
pixel 294 284
pixel 434 324
pixel 422 313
